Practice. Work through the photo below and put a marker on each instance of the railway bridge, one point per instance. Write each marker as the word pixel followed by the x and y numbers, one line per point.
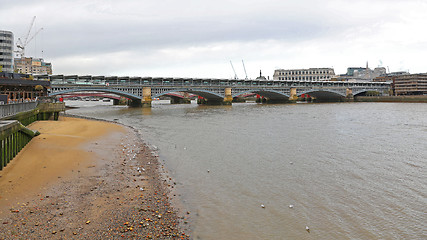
pixel 141 90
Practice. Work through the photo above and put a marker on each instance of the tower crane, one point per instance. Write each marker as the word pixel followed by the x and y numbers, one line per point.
pixel 244 68
pixel 22 44
pixel 235 74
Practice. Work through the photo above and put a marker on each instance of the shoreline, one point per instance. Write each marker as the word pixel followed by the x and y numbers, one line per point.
pixel 115 190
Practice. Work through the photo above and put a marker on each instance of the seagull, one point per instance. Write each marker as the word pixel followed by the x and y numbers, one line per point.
pixel 291 206
pixel 262 205
pixel 307 229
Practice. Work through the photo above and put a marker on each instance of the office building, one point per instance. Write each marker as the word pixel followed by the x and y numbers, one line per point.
pixel 6 51
pixel 411 84
pixel 310 74
pixel 364 74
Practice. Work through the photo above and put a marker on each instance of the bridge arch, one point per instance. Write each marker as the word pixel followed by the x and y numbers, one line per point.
pixel 105 90
pixel 199 92
pixel 271 94
pixel 323 94
pixel 361 91
pixel 103 95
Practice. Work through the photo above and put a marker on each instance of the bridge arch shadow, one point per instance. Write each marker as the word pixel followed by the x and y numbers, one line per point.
pixel 362 92
pixel 102 90
pixel 271 94
pixel 324 94
pixel 202 93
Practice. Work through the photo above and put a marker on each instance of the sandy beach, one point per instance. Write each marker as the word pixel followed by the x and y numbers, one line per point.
pixel 85 179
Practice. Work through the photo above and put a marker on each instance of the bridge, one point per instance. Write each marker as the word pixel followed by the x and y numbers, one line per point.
pixel 141 90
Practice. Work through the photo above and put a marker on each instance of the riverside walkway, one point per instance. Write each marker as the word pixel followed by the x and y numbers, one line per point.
pixel 141 90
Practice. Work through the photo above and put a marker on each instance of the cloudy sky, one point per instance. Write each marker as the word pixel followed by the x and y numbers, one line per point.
pixel 198 38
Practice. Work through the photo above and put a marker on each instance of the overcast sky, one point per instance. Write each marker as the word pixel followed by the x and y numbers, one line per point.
pixel 198 38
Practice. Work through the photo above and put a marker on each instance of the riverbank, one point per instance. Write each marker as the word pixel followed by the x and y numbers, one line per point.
pixel 413 99
pixel 85 179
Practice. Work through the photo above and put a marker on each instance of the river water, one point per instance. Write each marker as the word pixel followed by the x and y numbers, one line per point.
pixel 344 170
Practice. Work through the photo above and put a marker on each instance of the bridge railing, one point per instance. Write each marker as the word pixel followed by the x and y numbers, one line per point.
pixel 15 108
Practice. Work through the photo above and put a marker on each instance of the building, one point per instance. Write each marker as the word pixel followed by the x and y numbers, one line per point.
pixel 6 51
pixel 411 84
pixel 310 74
pixel 391 78
pixel 362 74
pixel 29 65
pixel 20 87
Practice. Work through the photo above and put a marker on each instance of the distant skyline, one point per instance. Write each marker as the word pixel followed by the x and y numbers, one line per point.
pixel 196 38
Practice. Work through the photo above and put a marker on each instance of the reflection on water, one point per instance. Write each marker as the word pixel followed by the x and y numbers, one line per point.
pixel 146 111
pixel 349 170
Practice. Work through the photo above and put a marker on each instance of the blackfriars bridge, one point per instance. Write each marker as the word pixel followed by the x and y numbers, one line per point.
pixel 141 90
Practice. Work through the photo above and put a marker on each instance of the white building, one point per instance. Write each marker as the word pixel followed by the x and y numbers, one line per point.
pixel 310 74
pixel 6 51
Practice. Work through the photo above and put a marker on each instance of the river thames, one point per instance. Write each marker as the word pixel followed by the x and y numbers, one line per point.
pixel 344 170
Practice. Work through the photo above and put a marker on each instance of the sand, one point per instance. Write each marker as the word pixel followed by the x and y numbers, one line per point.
pixel 85 179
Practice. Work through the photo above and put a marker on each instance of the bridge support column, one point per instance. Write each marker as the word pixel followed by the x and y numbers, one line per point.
pixel 293 94
pixel 116 101
pixel 349 93
pixel 146 97
pixel 228 99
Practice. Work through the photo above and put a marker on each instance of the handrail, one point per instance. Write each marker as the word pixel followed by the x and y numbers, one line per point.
pixel 15 108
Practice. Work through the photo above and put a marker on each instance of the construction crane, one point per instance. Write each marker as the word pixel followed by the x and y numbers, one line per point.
pixel 22 44
pixel 235 74
pixel 244 68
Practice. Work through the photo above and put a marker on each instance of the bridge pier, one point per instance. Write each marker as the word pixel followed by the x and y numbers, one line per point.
pixel 349 94
pixel 228 99
pixel 293 94
pixel 116 101
pixel 146 97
